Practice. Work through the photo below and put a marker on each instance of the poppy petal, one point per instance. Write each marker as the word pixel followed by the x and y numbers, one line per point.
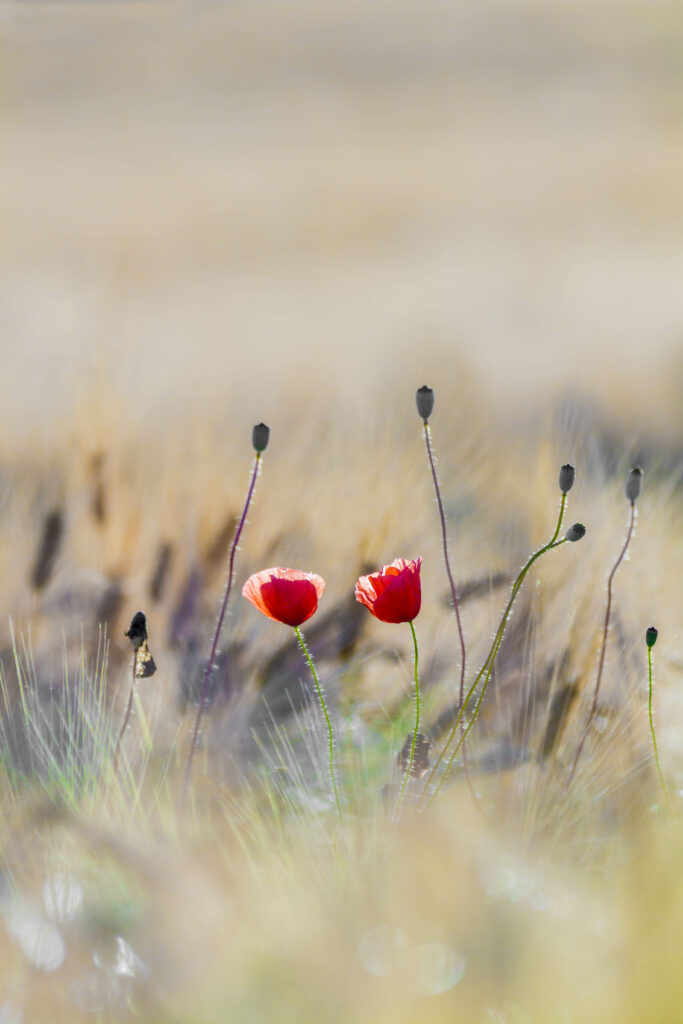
pixel 285 595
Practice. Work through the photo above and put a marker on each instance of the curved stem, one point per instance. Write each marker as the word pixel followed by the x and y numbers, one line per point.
pixel 444 541
pixel 454 596
pixel 605 631
pixel 219 624
pixel 126 717
pixel 409 770
pixel 488 664
pixel 323 705
pixel 652 730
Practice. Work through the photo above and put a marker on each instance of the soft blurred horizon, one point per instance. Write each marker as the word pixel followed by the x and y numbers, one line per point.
pixel 209 204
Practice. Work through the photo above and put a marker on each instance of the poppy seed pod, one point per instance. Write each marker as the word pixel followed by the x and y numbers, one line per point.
pixel 634 482
pixel 651 635
pixel 424 399
pixel 575 532
pixel 260 436
pixel 567 477
pixel 137 631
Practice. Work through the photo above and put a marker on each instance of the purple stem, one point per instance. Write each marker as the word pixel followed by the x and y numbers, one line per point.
pixel 219 624
pixel 454 597
pixel 608 612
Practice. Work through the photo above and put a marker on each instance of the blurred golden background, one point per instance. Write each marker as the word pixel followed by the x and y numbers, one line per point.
pixel 214 214
pixel 205 202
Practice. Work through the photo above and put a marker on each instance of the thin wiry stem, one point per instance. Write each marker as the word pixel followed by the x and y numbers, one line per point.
pixel 409 770
pixel 323 705
pixel 605 631
pixel 126 717
pixel 444 540
pixel 454 595
pixel 488 664
pixel 652 730
pixel 219 624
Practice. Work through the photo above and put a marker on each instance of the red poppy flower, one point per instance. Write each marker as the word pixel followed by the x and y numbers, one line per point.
pixel 286 595
pixel 394 594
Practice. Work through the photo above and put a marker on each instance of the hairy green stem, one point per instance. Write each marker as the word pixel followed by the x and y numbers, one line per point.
pixel 409 770
pixel 652 730
pixel 323 705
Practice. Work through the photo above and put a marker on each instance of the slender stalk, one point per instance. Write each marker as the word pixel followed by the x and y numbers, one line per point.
pixel 652 730
pixel 323 705
pixel 409 770
pixel 444 541
pixel 126 717
pixel 605 631
pixel 454 595
pixel 219 624
pixel 488 664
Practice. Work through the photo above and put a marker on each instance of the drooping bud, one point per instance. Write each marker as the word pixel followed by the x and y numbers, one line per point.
pixel 137 631
pixel 567 477
pixel 424 399
pixel 651 635
pixel 260 436
pixel 634 482
pixel 575 532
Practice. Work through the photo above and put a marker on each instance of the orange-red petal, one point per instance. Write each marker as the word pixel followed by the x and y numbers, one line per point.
pixel 285 595
pixel 395 593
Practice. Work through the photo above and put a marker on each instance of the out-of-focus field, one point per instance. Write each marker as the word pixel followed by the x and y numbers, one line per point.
pixel 201 198
pixel 215 214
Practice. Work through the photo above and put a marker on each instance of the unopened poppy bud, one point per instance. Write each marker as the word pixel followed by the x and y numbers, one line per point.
pixel 633 483
pixel 567 477
pixel 575 532
pixel 260 436
pixel 424 399
pixel 651 635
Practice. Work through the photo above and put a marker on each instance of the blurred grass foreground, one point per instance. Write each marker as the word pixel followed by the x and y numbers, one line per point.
pixel 218 214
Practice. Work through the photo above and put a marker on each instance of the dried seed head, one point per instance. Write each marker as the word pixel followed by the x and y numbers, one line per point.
pixel 424 399
pixel 651 635
pixel 575 532
pixel 567 477
pixel 634 482
pixel 137 631
pixel 260 436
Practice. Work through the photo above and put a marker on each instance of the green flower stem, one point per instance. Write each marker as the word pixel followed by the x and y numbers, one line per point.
pixel 652 730
pixel 323 705
pixel 487 667
pixel 409 770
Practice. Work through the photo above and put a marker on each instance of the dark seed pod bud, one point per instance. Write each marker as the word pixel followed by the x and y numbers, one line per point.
pixel 137 631
pixel 575 532
pixel 424 399
pixel 634 482
pixel 260 436
pixel 567 477
pixel 651 635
